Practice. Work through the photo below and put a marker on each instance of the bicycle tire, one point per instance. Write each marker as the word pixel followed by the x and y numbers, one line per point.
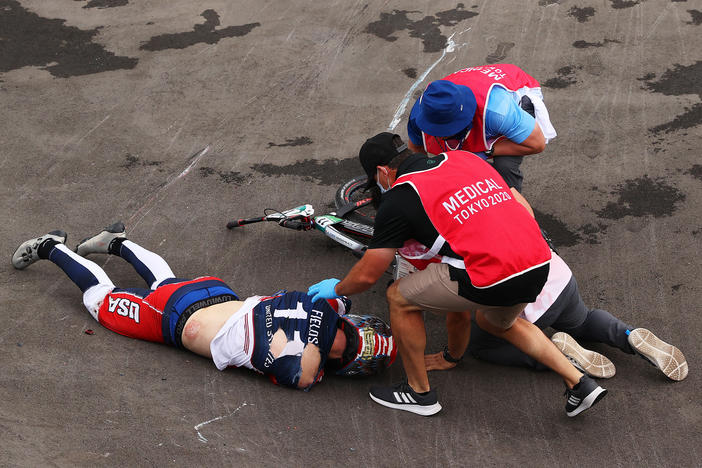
pixel 351 192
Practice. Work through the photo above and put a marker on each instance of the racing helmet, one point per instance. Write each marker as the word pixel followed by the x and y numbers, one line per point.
pixel 370 347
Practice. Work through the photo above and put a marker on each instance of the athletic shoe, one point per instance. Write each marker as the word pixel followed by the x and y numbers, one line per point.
pixel 402 397
pixel 669 359
pixel 584 395
pixel 100 243
pixel 28 251
pixel 589 362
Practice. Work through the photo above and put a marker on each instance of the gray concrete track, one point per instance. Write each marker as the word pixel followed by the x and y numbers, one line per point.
pixel 106 102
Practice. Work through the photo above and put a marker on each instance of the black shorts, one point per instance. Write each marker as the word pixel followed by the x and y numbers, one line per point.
pixel 520 289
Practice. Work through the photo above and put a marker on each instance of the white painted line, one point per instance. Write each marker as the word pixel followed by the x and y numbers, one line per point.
pixel 450 47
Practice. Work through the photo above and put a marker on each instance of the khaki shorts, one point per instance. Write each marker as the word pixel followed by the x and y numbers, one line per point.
pixel 433 290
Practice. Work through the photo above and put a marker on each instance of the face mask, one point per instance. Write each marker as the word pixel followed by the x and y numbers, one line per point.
pixel 382 189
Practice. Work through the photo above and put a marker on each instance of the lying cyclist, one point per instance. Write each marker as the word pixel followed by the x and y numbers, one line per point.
pixel 286 336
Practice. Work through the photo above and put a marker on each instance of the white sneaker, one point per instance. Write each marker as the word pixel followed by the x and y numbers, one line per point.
pixel 590 362
pixel 27 253
pixel 100 243
pixel 669 359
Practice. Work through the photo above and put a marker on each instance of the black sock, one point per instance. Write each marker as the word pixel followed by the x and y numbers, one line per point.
pixel 115 245
pixel 45 248
pixel 423 393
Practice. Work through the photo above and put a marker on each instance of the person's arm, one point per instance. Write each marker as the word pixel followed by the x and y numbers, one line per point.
pixel 522 135
pixel 520 198
pixel 366 272
pixel 458 334
pixel 534 143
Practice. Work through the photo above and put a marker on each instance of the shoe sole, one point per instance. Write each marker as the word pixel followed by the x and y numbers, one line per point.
pixel 55 233
pixel 589 401
pixel 590 362
pixel 666 357
pixel 416 409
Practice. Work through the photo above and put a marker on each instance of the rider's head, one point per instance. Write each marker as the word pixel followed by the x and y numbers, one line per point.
pixel 445 109
pixel 379 155
pixel 370 347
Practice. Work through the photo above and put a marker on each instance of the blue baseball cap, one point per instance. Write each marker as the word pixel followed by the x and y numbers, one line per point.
pixel 445 109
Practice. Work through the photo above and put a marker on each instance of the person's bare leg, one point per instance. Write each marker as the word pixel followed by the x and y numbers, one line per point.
pixel 338 346
pixel 407 323
pixel 528 338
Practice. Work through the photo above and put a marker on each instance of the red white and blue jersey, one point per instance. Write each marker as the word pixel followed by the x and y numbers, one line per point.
pixel 244 340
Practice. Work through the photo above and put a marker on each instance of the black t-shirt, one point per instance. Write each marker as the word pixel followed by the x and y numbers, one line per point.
pixel 401 215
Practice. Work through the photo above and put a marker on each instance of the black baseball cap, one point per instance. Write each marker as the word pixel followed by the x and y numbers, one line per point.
pixel 378 151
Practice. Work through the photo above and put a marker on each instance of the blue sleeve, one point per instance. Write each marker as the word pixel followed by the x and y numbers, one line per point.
pixel 505 117
pixel 413 131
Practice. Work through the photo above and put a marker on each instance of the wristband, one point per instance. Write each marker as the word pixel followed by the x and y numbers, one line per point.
pixel 449 358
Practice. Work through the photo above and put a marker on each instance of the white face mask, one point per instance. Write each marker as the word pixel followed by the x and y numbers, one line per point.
pixel 377 181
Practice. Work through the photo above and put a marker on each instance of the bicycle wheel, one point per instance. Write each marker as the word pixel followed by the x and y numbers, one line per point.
pixel 352 192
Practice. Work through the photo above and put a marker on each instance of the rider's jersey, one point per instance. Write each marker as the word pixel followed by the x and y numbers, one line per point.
pixel 244 340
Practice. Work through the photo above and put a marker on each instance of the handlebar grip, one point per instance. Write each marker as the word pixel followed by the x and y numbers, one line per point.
pixel 242 221
pixel 295 224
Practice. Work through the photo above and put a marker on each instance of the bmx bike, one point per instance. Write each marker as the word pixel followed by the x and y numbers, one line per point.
pixel 351 225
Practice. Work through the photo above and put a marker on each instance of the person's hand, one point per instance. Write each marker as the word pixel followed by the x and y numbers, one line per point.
pixel 324 289
pixel 437 362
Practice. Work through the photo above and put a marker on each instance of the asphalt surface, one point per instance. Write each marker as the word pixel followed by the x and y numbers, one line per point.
pixel 175 116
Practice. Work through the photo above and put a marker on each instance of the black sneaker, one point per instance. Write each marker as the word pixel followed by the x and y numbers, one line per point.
pixel 402 397
pixel 584 395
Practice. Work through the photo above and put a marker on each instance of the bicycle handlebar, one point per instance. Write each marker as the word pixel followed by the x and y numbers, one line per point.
pixel 242 221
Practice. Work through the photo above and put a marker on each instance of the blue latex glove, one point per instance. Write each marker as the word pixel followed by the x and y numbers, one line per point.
pixel 324 289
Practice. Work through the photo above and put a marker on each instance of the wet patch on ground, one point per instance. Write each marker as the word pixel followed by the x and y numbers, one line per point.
pixel 427 29
pixel 585 44
pixel 228 177
pixel 410 72
pixel 500 52
pixel 64 51
pixel 329 172
pixel 565 78
pixel 582 14
pixel 695 171
pixel 557 230
pixel 299 141
pixel 132 161
pixel 619 4
pixel 201 33
pixel 696 17
pixel 678 81
pixel 104 3
pixel 643 197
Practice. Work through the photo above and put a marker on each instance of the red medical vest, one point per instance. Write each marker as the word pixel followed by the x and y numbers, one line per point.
pixel 481 80
pixel 473 210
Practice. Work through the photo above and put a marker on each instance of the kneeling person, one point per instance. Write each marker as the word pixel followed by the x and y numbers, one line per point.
pixel 287 336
